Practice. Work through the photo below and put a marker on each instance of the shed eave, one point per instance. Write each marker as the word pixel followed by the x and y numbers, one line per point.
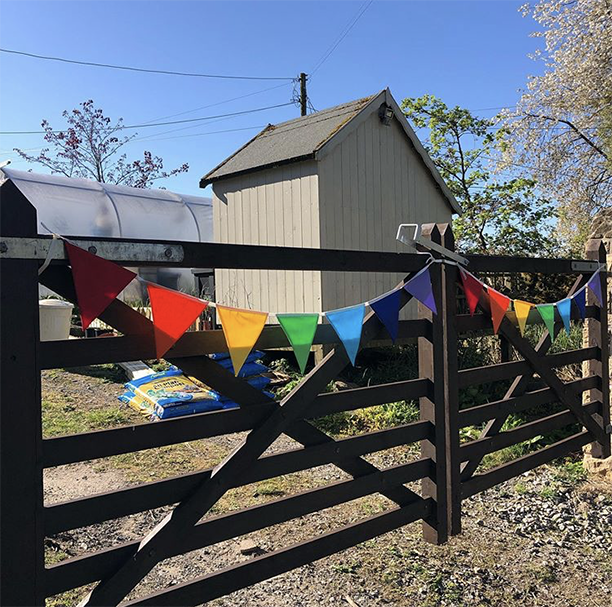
pixel 205 181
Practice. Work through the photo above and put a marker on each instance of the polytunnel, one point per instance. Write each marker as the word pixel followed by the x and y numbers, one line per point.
pixel 81 207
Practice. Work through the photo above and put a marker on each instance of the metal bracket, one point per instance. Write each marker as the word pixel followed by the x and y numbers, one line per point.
pixel 412 241
pixel 38 248
pixel 585 266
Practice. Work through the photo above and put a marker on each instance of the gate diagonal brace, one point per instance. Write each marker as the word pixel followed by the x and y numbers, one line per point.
pixel 566 396
pixel 182 519
pixel 518 387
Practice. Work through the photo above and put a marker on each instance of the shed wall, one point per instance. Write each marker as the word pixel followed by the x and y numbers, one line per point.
pixel 271 207
pixel 369 183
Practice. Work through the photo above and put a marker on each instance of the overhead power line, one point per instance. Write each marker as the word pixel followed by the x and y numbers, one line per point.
pixel 149 124
pixel 204 107
pixel 246 128
pixel 343 34
pixel 140 69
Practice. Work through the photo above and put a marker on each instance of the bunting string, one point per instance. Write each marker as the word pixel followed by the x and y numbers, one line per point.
pixel 99 281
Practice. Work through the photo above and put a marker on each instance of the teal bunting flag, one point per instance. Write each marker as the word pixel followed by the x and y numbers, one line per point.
pixel 387 309
pixel 565 312
pixel 348 324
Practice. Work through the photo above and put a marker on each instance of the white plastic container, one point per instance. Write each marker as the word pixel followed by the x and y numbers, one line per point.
pixel 54 319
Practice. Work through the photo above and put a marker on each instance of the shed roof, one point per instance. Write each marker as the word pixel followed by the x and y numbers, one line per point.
pixel 303 138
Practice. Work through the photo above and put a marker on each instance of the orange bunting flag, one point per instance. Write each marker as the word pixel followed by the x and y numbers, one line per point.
pixel 173 313
pixel 522 309
pixel 242 329
pixel 97 282
pixel 499 304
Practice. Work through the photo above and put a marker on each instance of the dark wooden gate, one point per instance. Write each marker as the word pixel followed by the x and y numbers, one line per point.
pixel 447 469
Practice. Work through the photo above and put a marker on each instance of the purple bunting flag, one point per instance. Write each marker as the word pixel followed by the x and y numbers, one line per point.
pixel 419 286
pixel 387 308
pixel 595 285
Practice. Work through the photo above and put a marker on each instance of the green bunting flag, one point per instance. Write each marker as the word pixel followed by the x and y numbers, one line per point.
pixel 300 330
pixel 547 312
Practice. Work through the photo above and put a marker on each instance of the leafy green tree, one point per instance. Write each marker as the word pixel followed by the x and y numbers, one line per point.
pixel 500 216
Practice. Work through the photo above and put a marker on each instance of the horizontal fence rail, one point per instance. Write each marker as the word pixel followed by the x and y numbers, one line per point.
pixel 104 443
pixel 90 510
pixel 89 568
pixel 183 254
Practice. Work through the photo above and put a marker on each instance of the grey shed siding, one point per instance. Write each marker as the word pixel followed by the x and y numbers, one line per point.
pixel 270 207
pixel 369 183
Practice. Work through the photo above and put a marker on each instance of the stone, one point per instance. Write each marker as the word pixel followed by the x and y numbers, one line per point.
pixel 601 469
pixel 249 547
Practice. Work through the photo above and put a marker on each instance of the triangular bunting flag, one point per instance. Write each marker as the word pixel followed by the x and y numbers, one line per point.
pixel 348 323
pixel 387 309
pixel 472 287
pixel 565 312
pixel 97 282
pixel 419 286
pixel 522 309
pixel 499 304
pixel 300 330
pixel 547 312
pixel 173 313
pixel 242 329
pixel 595 285
pixel 580 300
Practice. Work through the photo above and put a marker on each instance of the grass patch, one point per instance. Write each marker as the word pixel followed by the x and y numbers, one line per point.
pixel 163 462
pixel 109 373
pixel 60 415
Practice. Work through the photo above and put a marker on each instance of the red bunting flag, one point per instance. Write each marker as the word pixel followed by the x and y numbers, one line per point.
pixel 97 282
pixel 499 304
pixel 472 287
pixel 173 313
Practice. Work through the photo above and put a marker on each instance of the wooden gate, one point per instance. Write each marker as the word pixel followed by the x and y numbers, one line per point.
pixel 447 469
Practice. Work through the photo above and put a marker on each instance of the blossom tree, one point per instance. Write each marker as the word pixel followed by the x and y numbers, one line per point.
pixel 89 147
pixel 560 132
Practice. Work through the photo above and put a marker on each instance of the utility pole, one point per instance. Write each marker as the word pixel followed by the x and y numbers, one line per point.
pixel 303 95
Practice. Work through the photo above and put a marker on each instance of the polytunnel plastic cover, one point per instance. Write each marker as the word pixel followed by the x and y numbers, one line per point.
pixel 81 207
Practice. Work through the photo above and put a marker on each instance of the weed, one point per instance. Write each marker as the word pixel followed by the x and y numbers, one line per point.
pixel 520 488
pixel 543 573
pixel 347 567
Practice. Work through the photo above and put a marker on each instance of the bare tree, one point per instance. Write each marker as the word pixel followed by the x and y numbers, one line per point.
pixel 89 147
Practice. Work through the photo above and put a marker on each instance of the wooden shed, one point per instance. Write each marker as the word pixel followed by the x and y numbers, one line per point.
pixel 341 178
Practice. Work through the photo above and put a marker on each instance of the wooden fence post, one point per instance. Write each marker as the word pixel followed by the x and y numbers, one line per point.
pixel 597 335
pixel 438 363
pixel 21 489
pixel 448 316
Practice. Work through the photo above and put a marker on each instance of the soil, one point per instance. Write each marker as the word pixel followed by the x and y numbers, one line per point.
pixel 542 539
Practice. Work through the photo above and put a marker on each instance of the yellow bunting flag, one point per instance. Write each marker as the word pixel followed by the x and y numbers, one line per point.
pixel 522 309
pixel 242 329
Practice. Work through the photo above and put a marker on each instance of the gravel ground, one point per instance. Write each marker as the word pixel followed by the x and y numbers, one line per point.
pixel 542 539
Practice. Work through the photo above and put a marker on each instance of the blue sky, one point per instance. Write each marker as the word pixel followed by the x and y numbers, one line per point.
pixel 469 53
